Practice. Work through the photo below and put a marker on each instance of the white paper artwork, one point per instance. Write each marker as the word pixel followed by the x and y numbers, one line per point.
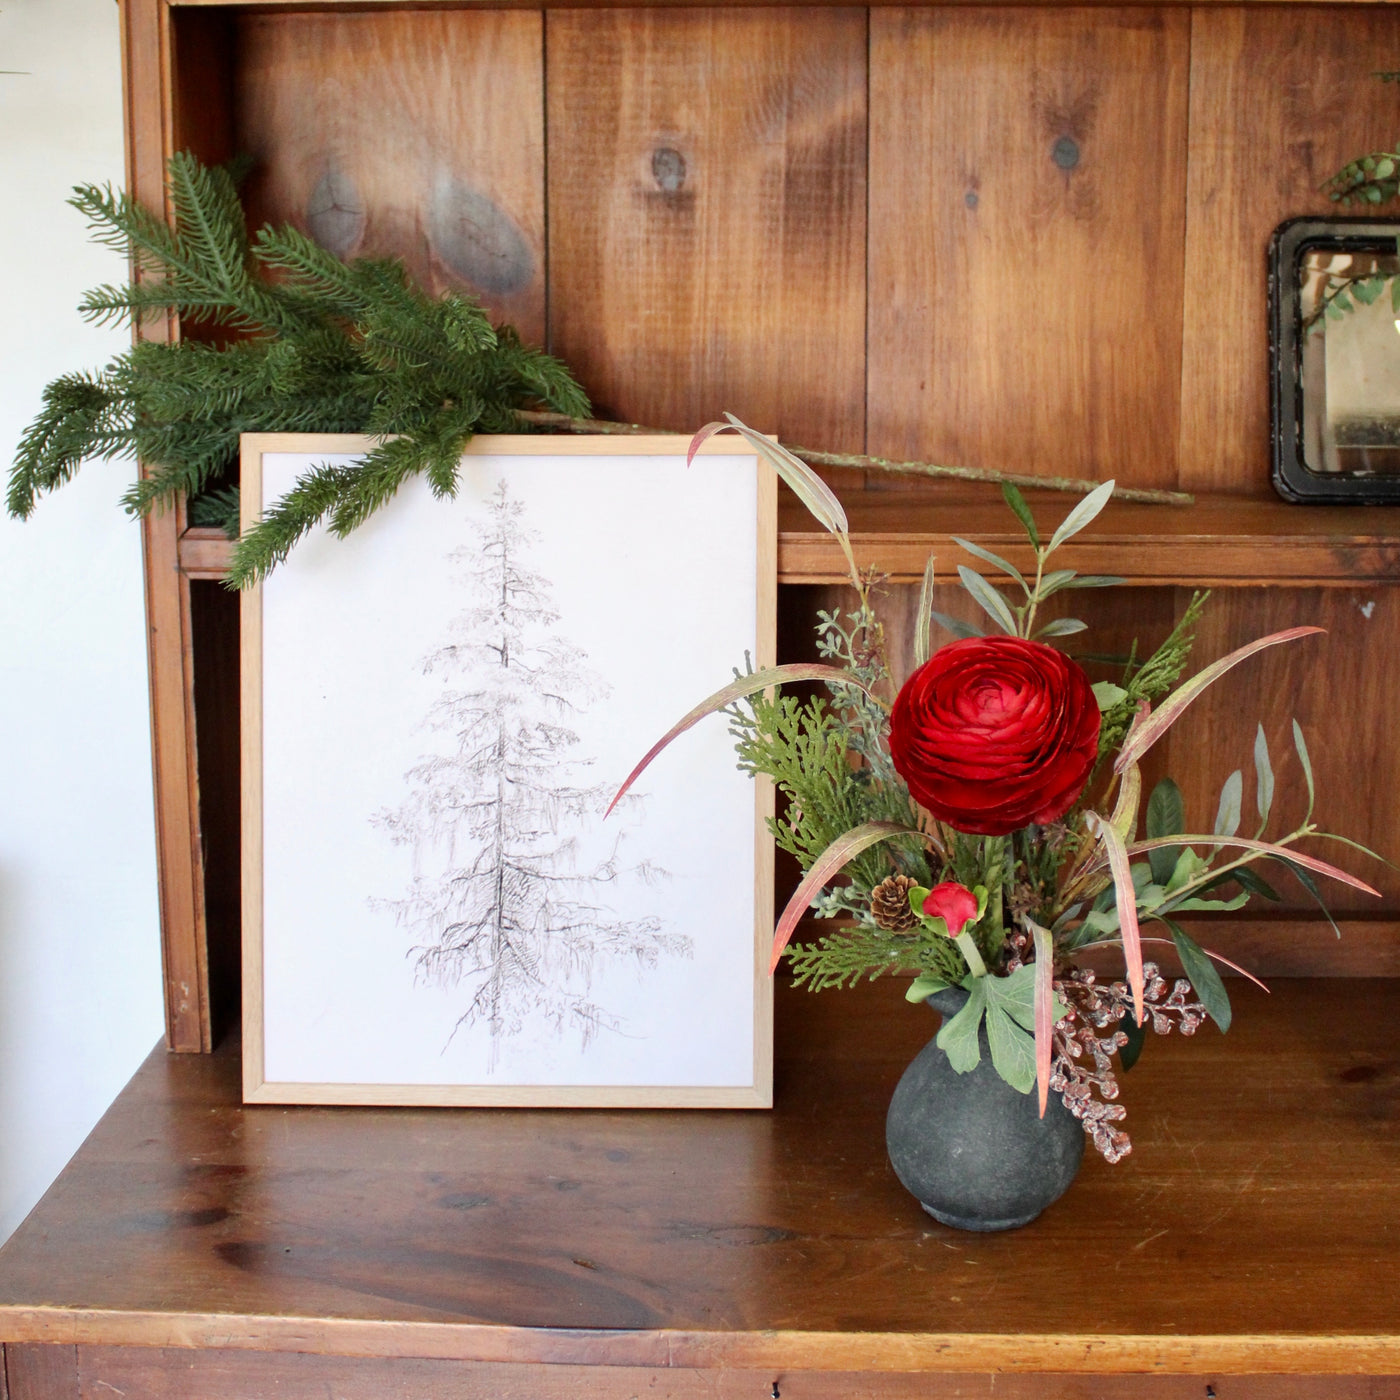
pixel 450 697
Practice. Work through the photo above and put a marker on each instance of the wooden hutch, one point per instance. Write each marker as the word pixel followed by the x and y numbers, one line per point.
pixel 1026 237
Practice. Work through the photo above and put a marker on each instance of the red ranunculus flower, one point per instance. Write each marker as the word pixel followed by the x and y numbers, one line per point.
pixel 955 904
pixel 994 733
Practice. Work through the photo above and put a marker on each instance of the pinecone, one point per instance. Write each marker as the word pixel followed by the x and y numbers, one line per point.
pixel 889 903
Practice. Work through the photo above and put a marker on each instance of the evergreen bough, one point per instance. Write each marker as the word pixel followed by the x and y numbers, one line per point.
pixel 309 344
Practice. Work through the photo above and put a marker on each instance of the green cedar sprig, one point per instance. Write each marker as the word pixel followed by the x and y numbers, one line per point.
pixel 305 343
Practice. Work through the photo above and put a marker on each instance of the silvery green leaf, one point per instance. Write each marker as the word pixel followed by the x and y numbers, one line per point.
pixel 1227 816
pixel 1055 580
pixel 1201 972
pixel 1082 515
pixel 924 986
pixel 1108 695
pixel 1189 866
pixel 923 620
pixel 1301 746
pixel 957 1037
pixel 1013 1050
pixel 1096 581
pixel 1063 627
pixel 955 625
pixel 990 601
pixel 1022 511
pixel 1264 791
pixel 995 560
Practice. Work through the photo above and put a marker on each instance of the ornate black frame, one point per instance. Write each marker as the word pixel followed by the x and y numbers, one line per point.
pixel 1292 478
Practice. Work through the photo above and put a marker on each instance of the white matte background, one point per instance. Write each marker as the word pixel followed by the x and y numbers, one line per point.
pixel 80 977
pixel 652 569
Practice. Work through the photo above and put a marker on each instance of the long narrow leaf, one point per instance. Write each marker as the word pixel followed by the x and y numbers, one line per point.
pixel 1013 498
pixel 1063 627
pixel 1126 898
pixel 1044 1008
pixel 1125 810
pixel 1209 952
pixel 956 625
pixel 1301 746
pixel 1268 848
pixel 988 599
pixel 1081 515
pixel 808 487
pixel 1143 736
pixel 727 695
pixel 1227 815
pixel 830 863
pixel 923 619
pixel 995 560
pixel 1264 773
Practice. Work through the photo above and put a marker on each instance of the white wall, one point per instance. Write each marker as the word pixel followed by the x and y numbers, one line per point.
pixel 80 980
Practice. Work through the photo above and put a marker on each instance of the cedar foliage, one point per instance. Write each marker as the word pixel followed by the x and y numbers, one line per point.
pixel 308 344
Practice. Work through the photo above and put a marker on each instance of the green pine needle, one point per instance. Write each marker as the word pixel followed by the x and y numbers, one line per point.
pixel 304 343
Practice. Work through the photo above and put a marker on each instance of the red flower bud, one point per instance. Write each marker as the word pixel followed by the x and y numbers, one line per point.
pixel 994 733
pixel 953 903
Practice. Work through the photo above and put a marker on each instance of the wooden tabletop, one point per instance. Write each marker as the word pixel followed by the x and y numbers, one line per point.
pixel 1255 1228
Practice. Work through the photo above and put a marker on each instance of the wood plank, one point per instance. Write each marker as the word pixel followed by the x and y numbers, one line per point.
pixel 1223 541
pixel 1279 102
pixel 707 215
pixel 42 1372
pixel 1027 175
pixel 749 1241
pixel 164 1374
pixel 149 120
pixel 1339 688
pixel 417 134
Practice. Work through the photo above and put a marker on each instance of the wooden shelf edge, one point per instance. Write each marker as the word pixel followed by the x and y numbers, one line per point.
pixel 664 1349
pixel 1219 561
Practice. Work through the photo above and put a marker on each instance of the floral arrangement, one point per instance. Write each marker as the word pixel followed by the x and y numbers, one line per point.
pixel 978 824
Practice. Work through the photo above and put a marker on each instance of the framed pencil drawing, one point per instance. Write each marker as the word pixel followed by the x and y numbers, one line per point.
pixel 435 713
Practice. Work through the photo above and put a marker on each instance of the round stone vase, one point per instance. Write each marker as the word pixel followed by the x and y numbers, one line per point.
pixel 973 1150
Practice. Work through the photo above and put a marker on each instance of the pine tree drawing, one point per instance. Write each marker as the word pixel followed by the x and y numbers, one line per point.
pixel 498 904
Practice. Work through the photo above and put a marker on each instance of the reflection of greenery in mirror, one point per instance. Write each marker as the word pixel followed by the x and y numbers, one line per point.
pixel 1348 303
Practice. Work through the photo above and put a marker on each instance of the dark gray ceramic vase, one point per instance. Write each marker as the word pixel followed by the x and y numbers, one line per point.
pixel 974 1151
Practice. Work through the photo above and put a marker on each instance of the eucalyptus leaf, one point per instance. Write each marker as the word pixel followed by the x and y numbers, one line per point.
pixel 957 1037
pixel 1063 627
pixel 1022 512
pixel 1264 790
pixel 1096 581
pixel 1203 976
pixel 988 599
pixel 956 625
pixel 995 560
pixel 1083 514
pixel 1300 744
pixel 923 621
pixel 1227 816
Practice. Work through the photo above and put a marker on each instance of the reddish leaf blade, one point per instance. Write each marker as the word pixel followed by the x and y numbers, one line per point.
pixel 1127 907
pixel 1144 735
pixel 736 690
pixel 1044 1008
pixel 1266 847
pixel 830 863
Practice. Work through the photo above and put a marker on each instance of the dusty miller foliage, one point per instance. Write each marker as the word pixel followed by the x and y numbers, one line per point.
pixel 292 340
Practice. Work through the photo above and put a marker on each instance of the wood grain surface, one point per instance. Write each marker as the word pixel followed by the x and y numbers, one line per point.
pixel 1027 177
pixel 1265 1182
pixel 418 134
pixel 1281 98
pixel 165 1374
pixel 707 210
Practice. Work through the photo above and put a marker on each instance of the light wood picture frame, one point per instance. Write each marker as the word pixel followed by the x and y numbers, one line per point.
pixel 434 910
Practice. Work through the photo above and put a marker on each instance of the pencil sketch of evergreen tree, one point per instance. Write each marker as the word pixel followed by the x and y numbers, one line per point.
pixel 500 903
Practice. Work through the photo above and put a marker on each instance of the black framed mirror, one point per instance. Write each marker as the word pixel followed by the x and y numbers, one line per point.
pixel 1334 352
